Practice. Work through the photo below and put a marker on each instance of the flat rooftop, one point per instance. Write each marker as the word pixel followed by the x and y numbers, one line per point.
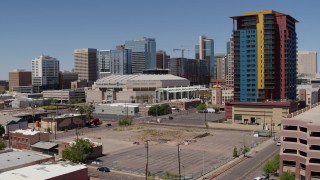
pixel 26 131
pixel 41 171
pixel 13 159
pixel 311 115
pixel 120 104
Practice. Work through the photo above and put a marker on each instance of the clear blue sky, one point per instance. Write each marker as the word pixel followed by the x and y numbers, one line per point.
pixel 55 28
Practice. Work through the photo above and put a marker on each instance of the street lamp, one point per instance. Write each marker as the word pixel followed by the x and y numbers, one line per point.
pixel 179 161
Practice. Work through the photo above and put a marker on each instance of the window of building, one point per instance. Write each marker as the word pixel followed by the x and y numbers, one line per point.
pixel 314 160
pixel 289 139
pixel 302 166
pixel 290 151
pixel 303 129
pixel 315 174
pixel 288 127
pixel 289 163
pixel 301 153
pixel 315 147
pixel 315 134
pixel 302 141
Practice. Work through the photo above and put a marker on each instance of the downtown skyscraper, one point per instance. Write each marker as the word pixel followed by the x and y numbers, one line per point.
pixel 45 73
pixel 265 55
pixel 85 63
pixel 117 61
pixel 143 54
pixel 205 51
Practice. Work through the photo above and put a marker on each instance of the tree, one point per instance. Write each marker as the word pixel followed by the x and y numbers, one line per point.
pixel 2 130
pixel 216 109
pixel 276 161
pixel 201 107
pixel 269 168
pixel 235 152
pixel 162 109
pixel 2 145
pixel 244 149
pixel 288 175
pixel 78 151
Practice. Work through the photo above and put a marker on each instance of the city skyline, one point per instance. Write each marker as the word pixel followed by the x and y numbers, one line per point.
pixel 56 29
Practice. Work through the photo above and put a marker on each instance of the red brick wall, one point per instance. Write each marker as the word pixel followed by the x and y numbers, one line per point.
pixel 76 175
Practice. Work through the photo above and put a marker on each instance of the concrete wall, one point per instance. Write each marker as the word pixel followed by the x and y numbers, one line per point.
pixel 95 96
pixel 116 110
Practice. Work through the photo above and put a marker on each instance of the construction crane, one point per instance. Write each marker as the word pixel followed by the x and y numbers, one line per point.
pixel 182 51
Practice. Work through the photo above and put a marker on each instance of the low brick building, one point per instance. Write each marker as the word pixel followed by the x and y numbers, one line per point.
pixel 23 139
pixel 63 122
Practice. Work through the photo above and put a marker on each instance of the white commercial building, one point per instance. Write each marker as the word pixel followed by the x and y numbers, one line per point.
pixel 123 109
pixel 45 73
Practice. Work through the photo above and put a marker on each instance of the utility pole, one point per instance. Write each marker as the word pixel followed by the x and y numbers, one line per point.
pixel 264 120
pixel 147 165
pixel 179 161
pixel 55 128
pixel 271 127
pixel 203 166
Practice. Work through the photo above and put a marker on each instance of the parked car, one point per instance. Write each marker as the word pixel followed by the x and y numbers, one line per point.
pixel 278 143
pixel 260 178
pixel 103 169
pixel 108 125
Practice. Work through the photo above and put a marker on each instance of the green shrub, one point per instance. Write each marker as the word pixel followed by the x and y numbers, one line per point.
pixel 125 122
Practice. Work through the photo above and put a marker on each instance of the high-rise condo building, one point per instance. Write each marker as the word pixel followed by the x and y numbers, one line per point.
pixel 85 63
pixel 116 61
pixel 265 55
pixel 307 63
pixel 205 50
pixel 19 78
pixel 221 63
pixel 45 73
pixel 143 54
pixel 230 64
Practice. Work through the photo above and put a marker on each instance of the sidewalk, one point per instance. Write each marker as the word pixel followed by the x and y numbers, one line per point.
pixel 215 173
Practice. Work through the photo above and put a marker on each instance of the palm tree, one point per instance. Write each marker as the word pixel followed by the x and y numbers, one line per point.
pixel 138 98
pixel 132 98
pixel 151 97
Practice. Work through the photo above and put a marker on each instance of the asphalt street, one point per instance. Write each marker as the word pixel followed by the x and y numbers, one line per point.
pixel 243 169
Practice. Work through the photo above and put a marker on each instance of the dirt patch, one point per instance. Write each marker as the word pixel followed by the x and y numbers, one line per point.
pixel 202 135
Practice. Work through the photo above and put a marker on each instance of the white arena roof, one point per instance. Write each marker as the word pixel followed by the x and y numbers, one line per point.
pixel 140 77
